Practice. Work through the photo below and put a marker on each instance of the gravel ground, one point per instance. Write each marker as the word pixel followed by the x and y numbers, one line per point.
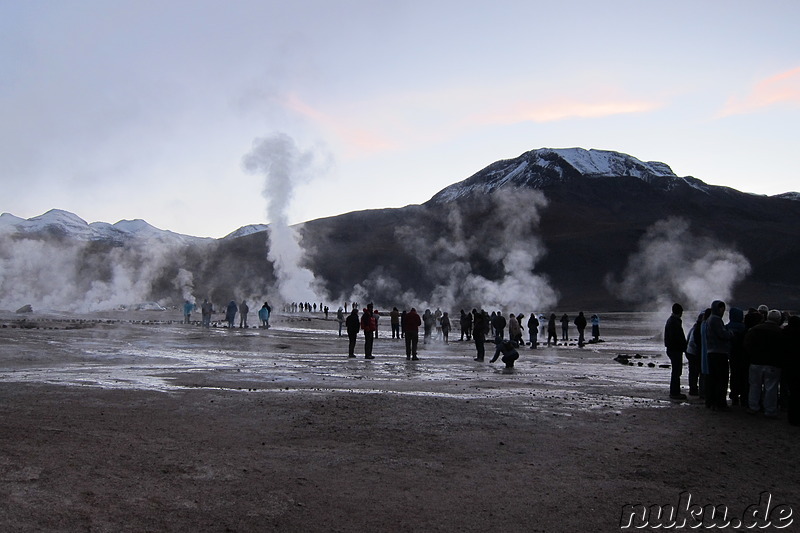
pixel 113 424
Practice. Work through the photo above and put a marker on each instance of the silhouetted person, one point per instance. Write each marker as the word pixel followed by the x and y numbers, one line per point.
pixel 509 350
pixel 340 319
pixel 243 310
pixel 411 326
pixel 551 330
pixel 353 325
pixel 205 310
pixel 765 345
pixel 564 327
pixel 479 327
pixel 445 322
pixel 717 348
pixel 394 320
pixel 580 323
pixel 437 315
pixel 428 321
pixel 533 330
pixel 694 347
pixel 466 326
pixel 499 325
pixel 675 343
pixel 514 330
pixel 792 368
pixel 230 314
pixel 369 325
pixel 738 363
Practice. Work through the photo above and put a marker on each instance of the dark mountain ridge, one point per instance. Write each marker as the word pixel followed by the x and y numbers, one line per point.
pixel 580 215
pixel 599 207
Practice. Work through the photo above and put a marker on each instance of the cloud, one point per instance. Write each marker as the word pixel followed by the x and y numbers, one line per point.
pixel 401 120
pixel 783 88
pixel 355 139
pixel 563 109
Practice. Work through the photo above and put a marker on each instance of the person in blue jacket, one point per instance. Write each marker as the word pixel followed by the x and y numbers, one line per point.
pixel 188 307
pixel 263 315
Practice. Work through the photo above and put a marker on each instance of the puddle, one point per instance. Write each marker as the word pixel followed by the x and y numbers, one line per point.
pixel 165 355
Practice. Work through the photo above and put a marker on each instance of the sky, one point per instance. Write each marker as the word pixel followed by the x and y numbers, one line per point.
pixel 146 109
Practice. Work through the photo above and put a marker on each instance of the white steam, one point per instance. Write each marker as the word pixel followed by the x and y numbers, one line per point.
pixel 284 166
pixel 515 246
pixel 518 248
pixel 673 265
pixel 74 276
pixel 184 282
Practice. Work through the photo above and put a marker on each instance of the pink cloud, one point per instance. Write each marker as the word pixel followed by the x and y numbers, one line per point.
pixel 357 141
pixel 562 109
pixel 783 88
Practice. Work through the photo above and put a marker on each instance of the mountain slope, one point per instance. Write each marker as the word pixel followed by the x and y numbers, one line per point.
pixel 569 222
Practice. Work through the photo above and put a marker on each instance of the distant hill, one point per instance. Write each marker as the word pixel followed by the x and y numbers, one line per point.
pixel 553 228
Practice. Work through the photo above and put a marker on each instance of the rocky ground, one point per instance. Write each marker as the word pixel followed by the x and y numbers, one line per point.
pixel 114 424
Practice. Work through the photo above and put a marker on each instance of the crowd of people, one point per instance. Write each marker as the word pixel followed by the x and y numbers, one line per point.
pixel 231 310
pixel 752 361
pixel 475 326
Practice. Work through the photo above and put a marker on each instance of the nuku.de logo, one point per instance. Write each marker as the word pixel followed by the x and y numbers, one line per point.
pixel 688 515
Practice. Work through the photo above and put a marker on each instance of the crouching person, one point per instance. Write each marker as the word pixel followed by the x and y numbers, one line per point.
pixel 509 350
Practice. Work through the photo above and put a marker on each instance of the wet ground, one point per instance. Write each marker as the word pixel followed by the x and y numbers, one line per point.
pixel 135 422
pixel 152 350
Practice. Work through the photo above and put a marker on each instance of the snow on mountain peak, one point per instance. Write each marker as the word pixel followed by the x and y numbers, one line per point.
pixel 246 230
pixel 606 163
pixel 547 166
pixel 60 222
pixel 60 217
pixel 135 226
pixel 789 196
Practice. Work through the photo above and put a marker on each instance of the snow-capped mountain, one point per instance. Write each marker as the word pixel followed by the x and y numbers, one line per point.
pixel 246 230
pixel 547 166
pixel 594 209
pixel 63 224
pixel 788 196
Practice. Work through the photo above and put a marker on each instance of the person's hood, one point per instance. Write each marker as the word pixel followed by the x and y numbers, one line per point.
pixel 717 308
pixel 736 315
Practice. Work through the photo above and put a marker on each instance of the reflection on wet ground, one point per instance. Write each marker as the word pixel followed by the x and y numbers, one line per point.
pixel 299 353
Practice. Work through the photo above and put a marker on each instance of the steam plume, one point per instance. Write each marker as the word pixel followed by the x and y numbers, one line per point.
pixel 69 276
pixel 673 265
pixel 284 166
pixel 184 282
pixel 449 261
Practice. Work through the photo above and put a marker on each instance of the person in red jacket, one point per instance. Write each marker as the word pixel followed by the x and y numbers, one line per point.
pixel 370 325
pixel 411 330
